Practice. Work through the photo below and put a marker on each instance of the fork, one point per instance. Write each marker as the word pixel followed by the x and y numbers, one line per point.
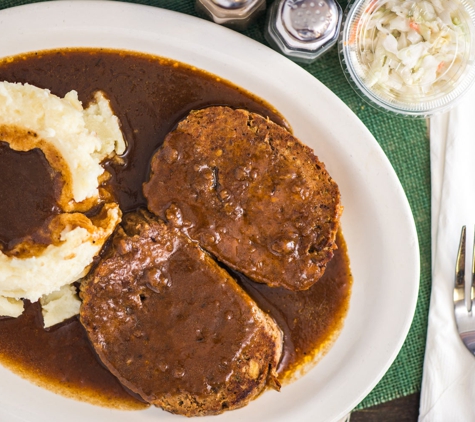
pixel 462 301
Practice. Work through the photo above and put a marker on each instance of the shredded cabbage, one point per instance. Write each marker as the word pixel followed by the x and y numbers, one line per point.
pixel 410 48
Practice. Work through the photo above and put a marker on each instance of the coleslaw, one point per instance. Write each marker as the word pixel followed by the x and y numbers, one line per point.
pixel 410 50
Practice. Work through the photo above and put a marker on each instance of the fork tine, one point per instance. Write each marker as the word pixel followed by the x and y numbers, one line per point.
pixel 460 263
pixel 464 317
pixel 472 285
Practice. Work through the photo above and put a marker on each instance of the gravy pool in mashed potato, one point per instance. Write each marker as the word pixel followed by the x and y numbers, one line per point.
pixel 74 141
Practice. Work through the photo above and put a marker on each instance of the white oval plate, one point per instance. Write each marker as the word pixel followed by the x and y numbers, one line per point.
pixel 377 221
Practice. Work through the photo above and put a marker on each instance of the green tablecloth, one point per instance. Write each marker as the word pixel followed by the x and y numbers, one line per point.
pixel 406 143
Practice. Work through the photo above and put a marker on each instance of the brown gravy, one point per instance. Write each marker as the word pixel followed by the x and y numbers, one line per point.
pixel 149 95
pixel 29 189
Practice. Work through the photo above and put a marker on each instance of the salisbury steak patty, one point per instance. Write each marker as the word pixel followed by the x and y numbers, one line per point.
pixel 250 193
pixel 173 326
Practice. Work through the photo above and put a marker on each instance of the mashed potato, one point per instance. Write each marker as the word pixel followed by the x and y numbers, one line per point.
pixel 10 307
pixel 60 305
pixel 82 138
pixel 75 142
pixel 57 265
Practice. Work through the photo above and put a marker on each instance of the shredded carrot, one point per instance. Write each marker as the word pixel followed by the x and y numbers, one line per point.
pixel 371 6
pixel 441 66
pixel 353 33
pixel 414 26
pixel 354 29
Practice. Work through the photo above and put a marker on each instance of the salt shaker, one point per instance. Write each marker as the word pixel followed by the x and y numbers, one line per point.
pixel 237 14
pixel 303 29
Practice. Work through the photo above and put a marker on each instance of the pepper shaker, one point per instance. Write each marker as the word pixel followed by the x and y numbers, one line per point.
pixel 236 14
pixel 303 29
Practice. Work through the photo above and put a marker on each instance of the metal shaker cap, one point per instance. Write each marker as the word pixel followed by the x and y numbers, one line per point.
pixel 237 14
pixel 303 29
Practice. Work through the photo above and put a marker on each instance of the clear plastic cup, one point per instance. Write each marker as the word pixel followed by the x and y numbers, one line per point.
pixel 414 58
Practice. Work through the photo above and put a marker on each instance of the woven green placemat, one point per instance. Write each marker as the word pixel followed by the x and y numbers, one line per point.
pixel 406 144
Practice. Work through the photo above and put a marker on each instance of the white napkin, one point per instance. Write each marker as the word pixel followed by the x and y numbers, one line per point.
pixel 448 384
